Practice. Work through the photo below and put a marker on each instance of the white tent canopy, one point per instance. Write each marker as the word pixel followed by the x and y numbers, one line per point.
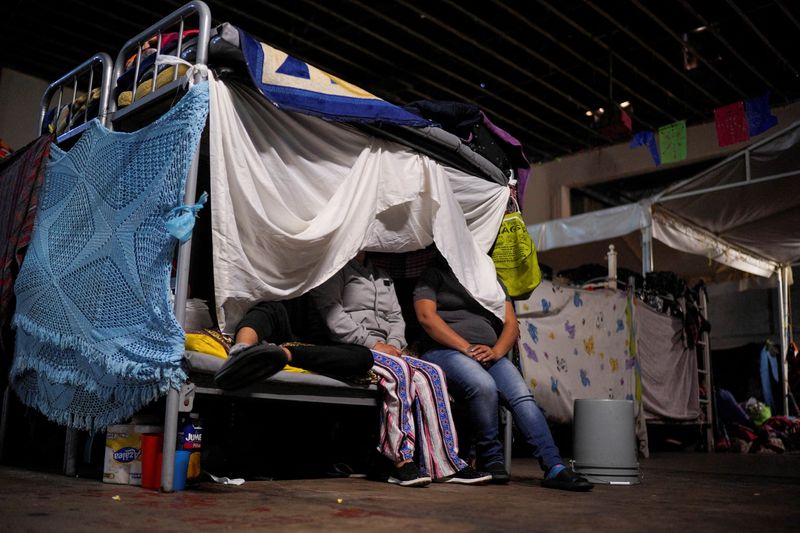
pixel 743 212
pixel 750 201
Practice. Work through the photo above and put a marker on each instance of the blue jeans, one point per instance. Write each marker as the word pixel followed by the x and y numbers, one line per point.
pixel 479 388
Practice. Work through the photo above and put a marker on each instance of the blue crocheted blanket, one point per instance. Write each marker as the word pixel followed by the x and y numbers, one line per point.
pixel 96 335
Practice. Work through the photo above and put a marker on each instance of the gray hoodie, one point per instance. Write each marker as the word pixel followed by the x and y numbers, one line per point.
pixel 359 306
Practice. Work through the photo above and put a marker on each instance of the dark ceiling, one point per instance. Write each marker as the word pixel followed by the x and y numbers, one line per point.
pixel 534 66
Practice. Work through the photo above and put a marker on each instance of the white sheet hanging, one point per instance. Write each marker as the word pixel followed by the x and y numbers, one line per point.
pixel 294 197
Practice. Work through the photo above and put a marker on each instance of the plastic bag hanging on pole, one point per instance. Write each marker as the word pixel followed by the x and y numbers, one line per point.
pixel 514 256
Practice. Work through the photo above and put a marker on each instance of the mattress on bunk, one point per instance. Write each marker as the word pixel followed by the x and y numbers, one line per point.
pixel 201 368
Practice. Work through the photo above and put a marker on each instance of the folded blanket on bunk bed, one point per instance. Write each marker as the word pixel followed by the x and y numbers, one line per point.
pixel 294 85
pixel 96 335
pixel 146 87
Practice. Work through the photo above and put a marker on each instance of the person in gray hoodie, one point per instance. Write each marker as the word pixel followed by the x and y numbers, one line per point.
pixel 359 306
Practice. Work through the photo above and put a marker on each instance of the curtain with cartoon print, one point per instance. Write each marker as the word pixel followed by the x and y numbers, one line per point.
pixel 577 344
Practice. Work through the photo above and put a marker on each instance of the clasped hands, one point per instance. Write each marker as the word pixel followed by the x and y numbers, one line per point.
pixel 481 353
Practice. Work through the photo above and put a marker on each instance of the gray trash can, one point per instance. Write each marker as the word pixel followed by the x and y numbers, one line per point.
pixel 604 441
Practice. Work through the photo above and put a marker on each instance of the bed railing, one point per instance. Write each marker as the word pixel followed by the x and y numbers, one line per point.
pixel 93 75
pixel 176 21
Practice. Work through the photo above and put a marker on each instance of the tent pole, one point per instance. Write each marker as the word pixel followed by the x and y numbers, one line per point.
pixel 783 299
pixel 647 246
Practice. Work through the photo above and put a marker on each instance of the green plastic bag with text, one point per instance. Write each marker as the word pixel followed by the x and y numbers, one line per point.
pixel 514 256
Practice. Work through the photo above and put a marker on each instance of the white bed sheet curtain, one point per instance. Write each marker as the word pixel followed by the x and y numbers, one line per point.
pixel 669 371
pixel 295 197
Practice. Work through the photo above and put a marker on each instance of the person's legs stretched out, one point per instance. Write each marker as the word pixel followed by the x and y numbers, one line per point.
pixel 256 354
pixel 478 387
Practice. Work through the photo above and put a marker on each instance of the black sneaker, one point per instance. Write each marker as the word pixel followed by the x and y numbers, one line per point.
pixel 498 472
pixel 250 365
pixel 469 476
pixel 567 480
pixel 408 476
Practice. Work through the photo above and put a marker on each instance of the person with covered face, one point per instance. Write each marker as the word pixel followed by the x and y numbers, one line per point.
pixel 360 307
pixel 470 344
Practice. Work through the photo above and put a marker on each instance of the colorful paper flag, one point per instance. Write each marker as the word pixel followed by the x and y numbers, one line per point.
pixel 672 142
pixel 759 115
pixel 626 120
pixel 731 124
pixel 647 138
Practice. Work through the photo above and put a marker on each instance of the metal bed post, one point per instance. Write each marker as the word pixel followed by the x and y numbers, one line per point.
pixel 783 299
pixel 184 250
pixel 508 436
pixel 506 418
pixel 706 376
pixel 4 419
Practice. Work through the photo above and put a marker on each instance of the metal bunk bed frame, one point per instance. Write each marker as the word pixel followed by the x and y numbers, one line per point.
pixel 181 401
pixel 100 60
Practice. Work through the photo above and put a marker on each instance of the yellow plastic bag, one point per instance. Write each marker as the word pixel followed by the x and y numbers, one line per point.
pixel 514 256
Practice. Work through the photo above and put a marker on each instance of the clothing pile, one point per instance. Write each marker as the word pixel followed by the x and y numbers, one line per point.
pixel 751 428
pixel 669 294
pixel 470 124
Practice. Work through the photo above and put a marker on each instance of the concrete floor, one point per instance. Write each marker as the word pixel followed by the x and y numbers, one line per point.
pixel 680 492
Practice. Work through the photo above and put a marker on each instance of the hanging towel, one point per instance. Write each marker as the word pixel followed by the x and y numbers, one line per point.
pixel 96 335
pixel 21 178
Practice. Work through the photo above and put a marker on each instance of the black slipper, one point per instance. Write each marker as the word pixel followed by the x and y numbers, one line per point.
pixel 250 365
pixel 567 480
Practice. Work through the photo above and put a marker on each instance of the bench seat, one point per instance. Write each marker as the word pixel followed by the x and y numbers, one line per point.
pixel 288 386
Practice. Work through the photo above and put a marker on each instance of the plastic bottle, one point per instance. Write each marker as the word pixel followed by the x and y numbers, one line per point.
pixel 190 437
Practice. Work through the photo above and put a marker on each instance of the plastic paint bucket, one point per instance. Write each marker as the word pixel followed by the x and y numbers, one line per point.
pixel 604 441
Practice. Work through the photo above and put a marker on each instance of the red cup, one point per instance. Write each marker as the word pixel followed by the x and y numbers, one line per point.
pixel 152 450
